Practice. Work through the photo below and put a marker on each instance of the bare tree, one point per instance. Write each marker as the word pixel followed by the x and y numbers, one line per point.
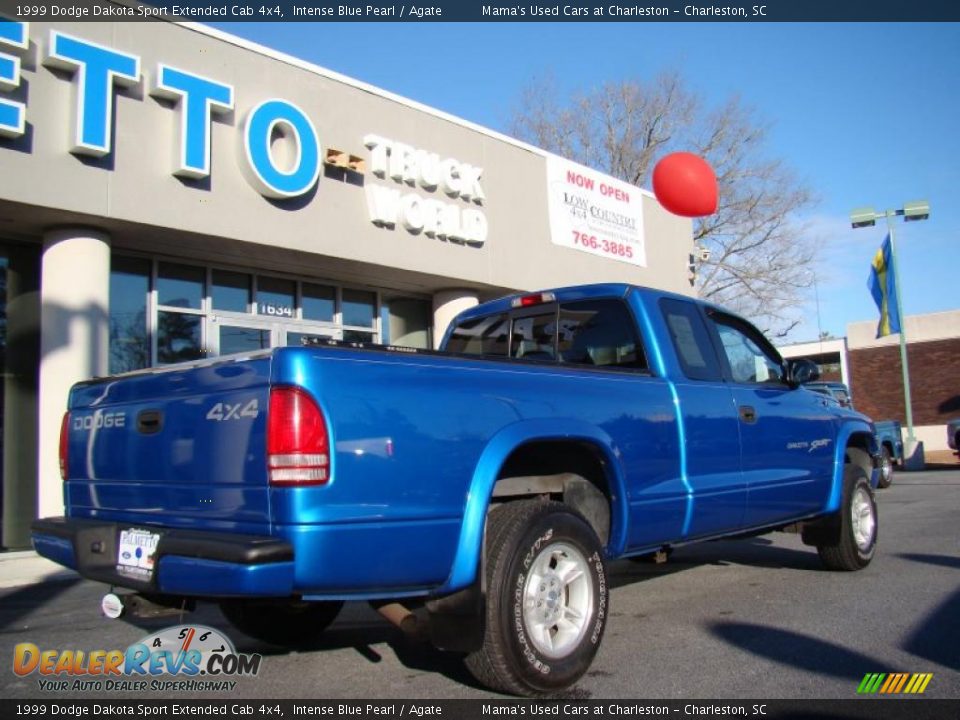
pixel 759 254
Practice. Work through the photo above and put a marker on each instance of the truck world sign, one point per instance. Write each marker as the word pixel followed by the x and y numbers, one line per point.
pixel 96 70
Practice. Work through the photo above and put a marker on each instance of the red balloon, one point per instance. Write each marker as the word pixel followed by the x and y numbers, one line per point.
pixel 686 185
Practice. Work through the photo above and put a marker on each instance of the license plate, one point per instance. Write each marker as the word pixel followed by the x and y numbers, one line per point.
pixel 136 553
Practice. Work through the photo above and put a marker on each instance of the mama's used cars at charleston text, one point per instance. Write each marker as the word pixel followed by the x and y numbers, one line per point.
pixel 493 479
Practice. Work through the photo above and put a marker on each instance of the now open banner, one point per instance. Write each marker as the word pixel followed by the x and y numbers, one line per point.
pixel 595 213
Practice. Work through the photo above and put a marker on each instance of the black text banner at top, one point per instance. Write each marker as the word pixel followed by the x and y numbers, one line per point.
pixel 637 11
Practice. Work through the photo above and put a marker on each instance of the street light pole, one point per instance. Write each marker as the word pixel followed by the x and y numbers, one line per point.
pixel 903 327
pixel 866 217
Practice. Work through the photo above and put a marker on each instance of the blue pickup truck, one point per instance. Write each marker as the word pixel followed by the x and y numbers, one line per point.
pixel 890 440
pixel 889 432
pixel 489 483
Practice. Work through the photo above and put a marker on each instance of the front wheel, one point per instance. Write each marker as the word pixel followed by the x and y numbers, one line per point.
pixel 855 540
pixel 281 622
pixel 547 599
pixel 886 468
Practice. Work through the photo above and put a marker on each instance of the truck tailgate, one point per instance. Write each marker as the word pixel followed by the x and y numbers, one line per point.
pixel 181 448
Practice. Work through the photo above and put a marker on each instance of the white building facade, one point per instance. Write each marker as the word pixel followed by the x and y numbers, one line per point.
pixel 169 193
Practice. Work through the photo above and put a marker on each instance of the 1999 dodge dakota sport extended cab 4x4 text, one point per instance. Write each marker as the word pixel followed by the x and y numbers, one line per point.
pixel 493 480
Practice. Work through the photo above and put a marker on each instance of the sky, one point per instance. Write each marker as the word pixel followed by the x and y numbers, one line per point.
pixel 865 114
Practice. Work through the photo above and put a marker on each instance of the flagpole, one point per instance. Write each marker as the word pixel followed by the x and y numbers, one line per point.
pixel 903 327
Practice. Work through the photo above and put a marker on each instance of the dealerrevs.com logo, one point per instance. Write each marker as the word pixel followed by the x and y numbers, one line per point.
pixel 187 658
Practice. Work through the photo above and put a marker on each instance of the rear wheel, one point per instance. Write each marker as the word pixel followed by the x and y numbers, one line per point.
pixel 546 601
pixel 854 539
pixel 886 468
pixel 281 622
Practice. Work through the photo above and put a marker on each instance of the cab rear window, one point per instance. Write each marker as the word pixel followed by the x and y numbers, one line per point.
pixel 599 333
pixel 481 336
pixel 596 333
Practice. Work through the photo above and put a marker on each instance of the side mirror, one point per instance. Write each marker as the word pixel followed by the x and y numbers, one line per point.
pixel 802 371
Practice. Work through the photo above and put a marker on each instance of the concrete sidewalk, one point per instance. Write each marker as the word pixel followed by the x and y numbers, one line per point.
pixel 25 567
pixel 942 457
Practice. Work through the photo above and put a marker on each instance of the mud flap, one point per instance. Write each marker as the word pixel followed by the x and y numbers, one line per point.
pixel 457 621
pixel 825 531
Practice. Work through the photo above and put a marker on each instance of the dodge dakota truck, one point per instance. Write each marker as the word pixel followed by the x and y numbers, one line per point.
pixel 488 484
pixel 889 432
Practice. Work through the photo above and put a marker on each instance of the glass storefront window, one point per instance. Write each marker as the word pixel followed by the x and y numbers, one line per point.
pixel 180 286
pixel 179 337
pixel 129 343
pixel 230 291
pixel 3 352
pixel 297 339
pixel 319 302
pixel 358 336
pixel 358 307
pixel 166 312
pixel 275 297
pixel 406 322
pixel 3 334
pixel 242 339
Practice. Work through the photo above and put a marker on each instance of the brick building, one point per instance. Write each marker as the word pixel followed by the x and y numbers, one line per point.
pixel 871 367
pixel 933 354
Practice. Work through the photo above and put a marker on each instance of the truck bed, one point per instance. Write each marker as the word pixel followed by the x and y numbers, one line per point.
pixel 377 524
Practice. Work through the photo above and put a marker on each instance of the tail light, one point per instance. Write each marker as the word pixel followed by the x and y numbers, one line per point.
pixel 64 444
pixel 298 447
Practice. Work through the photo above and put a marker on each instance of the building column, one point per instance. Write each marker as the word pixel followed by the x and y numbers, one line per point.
pixel 74 338
pixel 446 305
pixel 20 394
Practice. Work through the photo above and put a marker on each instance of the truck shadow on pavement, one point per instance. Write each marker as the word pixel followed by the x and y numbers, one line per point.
pixel 934 638
pixel 796 650
pixel 937 636
pixel 22 601
pixel 948 561
pixel 358 627
pixel 754 552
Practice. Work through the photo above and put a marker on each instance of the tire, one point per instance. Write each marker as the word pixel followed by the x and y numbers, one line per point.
pixel 855 541
pixel 541 557
pixel 281 622
pixel 886 468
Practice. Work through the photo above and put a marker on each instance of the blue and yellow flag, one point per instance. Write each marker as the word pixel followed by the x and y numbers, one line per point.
pixel 884 290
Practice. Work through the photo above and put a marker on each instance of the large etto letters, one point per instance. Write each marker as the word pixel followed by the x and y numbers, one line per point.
pixel 95 70
pixel 198 98
pixel 13 36
pixel 279 150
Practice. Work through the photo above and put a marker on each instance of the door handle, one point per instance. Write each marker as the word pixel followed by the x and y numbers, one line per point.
pixel 748 414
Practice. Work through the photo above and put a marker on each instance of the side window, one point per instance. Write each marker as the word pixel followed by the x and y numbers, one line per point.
pixel 599 333
pixel 534 336
pixel 749 359
pixel 690 340
pixel 481 336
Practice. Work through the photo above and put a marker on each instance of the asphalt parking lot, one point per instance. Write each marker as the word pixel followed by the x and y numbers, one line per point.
pixel 754 618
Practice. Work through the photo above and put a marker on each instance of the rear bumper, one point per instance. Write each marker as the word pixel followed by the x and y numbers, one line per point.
pixel 187 562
